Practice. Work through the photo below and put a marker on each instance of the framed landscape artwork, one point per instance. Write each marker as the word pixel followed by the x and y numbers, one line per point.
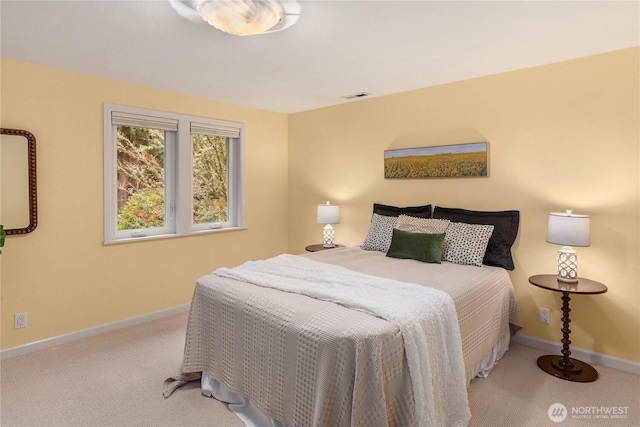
pixel 443 161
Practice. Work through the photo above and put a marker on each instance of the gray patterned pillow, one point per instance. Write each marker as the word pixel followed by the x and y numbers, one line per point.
pixel 380 233
pixel 466 243
pixel 422 225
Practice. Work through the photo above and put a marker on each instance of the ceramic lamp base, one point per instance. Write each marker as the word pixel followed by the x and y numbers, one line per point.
pixel 327 236
pixel 567 265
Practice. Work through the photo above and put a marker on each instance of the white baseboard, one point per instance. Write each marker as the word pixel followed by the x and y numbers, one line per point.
pixel 90 332
pixel 547 346
pixel 579 353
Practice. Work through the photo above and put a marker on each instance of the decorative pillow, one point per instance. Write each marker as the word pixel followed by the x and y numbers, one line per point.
pixel 415 211
pixel 504 234
pixel 425 247
pixel 466 243
pixel 380 233
pixel 422 225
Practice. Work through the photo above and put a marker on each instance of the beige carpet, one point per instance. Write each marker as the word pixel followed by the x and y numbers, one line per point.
pixel 116 379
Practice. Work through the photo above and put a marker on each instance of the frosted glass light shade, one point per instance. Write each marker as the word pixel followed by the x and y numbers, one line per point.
pixel 240 17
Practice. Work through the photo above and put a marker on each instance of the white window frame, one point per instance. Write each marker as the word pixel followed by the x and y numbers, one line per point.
pixel 178 174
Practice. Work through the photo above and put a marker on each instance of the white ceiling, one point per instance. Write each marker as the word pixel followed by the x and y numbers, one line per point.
pixel 336 48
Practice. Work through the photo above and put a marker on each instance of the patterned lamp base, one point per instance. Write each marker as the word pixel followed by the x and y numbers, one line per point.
pixel 567 265
pixel 327 236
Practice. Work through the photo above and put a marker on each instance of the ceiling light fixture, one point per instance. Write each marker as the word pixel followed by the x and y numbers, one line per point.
pixel 241 17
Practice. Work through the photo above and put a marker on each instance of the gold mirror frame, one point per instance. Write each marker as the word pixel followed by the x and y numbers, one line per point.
pixel 33 197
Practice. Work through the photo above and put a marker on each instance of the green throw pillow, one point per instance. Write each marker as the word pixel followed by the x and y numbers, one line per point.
pixel 419 246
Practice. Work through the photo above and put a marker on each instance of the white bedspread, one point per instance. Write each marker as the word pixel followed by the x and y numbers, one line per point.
pixel 425 316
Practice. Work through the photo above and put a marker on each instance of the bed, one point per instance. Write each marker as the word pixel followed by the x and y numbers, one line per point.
pixel 283 358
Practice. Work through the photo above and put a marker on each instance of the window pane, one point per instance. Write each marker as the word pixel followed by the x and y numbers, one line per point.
pixel 141 188
pixel 209 178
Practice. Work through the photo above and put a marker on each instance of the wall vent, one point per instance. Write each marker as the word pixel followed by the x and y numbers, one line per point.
pixel 357 95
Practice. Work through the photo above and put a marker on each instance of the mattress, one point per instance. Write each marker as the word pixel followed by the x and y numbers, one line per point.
pixel 309 362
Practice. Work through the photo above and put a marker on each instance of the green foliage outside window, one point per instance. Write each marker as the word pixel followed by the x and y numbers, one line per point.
pixel 142 210
pixel 141 178
pixel 209 178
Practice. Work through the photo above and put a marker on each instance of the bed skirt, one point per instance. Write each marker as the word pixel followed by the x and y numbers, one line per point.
pixel 244 409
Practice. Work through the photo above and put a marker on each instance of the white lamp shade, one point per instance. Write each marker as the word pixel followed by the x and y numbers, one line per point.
pixel 328 214
pixel 569 229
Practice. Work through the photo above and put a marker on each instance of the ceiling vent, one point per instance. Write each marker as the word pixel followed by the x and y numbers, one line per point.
pixel 357 95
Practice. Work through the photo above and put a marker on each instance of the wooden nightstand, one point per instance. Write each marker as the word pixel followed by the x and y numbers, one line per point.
pixel 319 247
pixel 564 366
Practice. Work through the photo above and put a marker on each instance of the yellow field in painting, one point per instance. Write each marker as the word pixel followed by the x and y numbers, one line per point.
pixel 437 165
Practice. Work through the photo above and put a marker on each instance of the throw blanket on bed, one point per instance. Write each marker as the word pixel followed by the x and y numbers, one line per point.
pixel 425 316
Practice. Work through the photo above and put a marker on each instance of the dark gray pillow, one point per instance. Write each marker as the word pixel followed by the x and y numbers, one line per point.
pixel 505 230
pixel 414 211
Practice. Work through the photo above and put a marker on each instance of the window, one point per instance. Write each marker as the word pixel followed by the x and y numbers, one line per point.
pixel 169 174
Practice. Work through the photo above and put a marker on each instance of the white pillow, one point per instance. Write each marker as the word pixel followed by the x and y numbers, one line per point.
pixel 380 233
pixel 422 225
pixel 466 243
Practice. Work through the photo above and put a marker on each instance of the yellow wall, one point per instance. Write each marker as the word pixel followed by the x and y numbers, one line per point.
pixel 61 274
pixel 560 136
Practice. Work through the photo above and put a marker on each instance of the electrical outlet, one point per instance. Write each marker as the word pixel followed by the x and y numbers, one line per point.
pixel 545 316
pixel 19 320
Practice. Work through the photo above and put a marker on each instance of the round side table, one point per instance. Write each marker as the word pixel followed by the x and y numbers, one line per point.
pixel 319 247
pixel 564 366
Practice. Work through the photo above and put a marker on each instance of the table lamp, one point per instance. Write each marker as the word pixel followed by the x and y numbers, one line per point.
pixel 568 229
pixel 328 214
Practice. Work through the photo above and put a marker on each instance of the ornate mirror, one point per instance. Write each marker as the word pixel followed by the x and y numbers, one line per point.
pixel 18 196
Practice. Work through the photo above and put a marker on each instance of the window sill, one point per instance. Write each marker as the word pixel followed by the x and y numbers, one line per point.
pixel 171 236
